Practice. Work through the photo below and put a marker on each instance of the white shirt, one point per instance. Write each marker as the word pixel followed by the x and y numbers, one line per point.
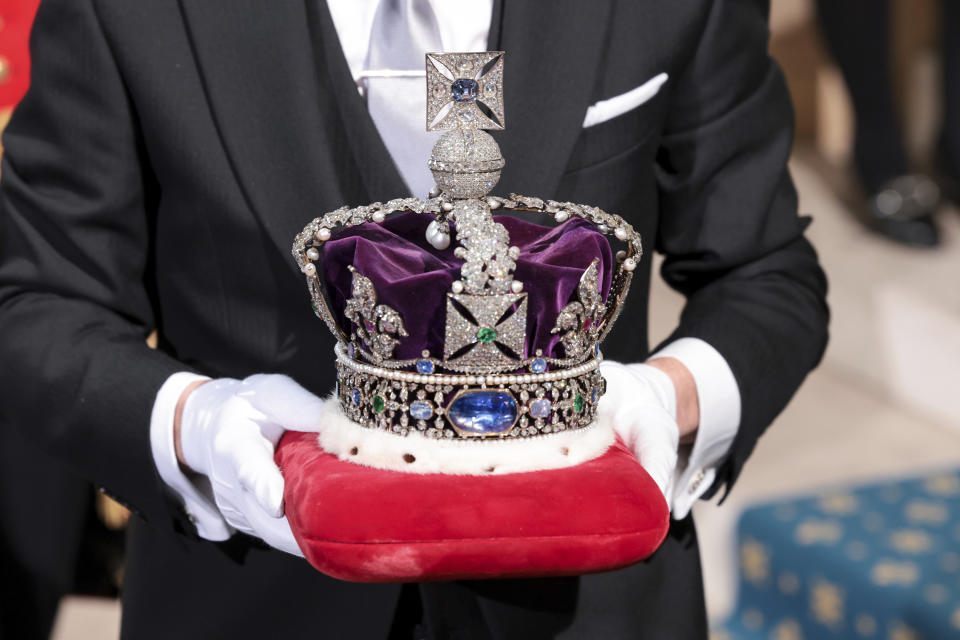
pixel 464 26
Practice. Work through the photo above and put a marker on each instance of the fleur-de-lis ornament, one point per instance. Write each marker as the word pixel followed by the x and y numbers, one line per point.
pixel 579 321
pixel 377 325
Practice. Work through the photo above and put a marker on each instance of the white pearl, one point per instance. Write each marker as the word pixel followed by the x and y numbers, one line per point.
pixel 516 286
pixel 493 203
pixel 447 206
pixel 620 233
pixel 561 216
pixel 436 236
pixel 442 238
pixel 378 216
pixel 629 264
pixel 457 286
pixel 313 254
pixel 514 252
pixel 471 379
pixel 323 234
pixel 435 192
pixel 309 269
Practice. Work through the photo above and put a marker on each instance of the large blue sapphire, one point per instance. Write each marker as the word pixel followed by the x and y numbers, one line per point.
pixel 485 412
pixel 464 89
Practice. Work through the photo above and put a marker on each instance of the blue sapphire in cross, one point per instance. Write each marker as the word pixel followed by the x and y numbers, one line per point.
pixel 464 89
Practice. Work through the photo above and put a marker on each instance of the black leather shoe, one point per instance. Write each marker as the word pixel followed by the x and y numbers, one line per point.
pixel 902 210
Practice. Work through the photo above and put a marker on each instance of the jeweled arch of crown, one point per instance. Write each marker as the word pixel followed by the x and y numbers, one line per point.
pixel 484 384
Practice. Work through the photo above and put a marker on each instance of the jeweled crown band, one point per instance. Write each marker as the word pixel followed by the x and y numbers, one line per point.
pixel 443 405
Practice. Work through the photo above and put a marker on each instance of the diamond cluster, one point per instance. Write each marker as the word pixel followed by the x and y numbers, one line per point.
pixel 488 261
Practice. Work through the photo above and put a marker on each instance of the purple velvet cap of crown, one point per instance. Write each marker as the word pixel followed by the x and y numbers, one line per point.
pixel 414 278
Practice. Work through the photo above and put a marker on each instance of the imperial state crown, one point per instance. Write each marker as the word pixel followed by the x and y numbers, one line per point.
pixel 468 352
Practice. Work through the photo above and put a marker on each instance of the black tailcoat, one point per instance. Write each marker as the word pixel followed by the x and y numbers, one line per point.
pixel 166 155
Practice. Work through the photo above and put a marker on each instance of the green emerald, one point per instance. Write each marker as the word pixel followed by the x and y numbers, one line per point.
pixel 378 404
pixel 578 403
pixel 486 335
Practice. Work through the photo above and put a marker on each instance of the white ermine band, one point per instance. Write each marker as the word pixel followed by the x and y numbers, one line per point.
pixel 415 453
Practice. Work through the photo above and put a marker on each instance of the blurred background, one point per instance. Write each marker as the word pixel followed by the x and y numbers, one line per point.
pixel 846 521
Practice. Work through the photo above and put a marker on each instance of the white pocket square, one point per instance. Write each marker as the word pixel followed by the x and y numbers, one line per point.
pixel 618 105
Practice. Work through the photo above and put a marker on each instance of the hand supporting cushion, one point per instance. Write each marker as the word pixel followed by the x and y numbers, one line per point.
pixel 229 431
pixel 640 403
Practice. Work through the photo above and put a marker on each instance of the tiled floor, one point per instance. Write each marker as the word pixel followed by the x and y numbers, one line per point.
pixel 883 403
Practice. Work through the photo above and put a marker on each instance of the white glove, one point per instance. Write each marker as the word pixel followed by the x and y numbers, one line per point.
pixel 641 404
pixel 229 431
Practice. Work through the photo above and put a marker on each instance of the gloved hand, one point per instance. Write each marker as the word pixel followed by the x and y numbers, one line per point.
pixel 229 430
pixel 641 404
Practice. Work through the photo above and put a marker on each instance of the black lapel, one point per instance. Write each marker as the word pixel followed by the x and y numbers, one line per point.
pixel 377 171
pixel 550 67
pixel 276 122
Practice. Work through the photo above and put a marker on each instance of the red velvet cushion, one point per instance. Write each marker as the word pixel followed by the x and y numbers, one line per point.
pixel 366 525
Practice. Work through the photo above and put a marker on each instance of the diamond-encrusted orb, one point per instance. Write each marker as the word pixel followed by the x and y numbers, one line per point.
pixel 464 89
pixel 539 365
pixel 421 409
pixel 486 335
pixel 466 163
pixel 424 367
pixel 485 412
pixel 540 408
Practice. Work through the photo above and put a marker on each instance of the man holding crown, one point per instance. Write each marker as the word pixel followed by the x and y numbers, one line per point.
pixel 167 154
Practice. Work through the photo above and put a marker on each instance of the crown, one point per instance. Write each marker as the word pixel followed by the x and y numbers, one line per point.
pixel 457 316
